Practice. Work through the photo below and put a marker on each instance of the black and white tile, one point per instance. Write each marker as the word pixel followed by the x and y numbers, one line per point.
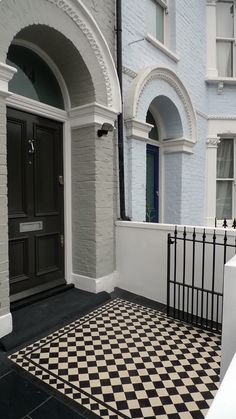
pixel 125 360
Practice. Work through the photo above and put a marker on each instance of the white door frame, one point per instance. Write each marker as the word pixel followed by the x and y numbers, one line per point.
pixel 37 108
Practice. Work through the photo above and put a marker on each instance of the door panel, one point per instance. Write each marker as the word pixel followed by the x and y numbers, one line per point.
pixel 35 162
pixel 46 171
pixel 47 256
pixel 18 252
pixel 17 169
pixel 152 187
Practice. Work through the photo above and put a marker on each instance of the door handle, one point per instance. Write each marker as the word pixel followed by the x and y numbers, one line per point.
pixel 157 193
pixel 31 146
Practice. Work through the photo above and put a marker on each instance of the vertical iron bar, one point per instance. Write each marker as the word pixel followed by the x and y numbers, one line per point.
pixel 178 301
pixel 187 304
pixel 213 278
pixel 225 246
pixel 217 313
pixel 193 273
pixel 197 308
pixel 203 269
pixel 168 274
pixel 175 266
pixel 225 255
pixel 221 322
pixel 207 308
pixel 184 267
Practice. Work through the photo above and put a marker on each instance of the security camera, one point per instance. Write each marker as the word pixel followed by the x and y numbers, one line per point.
pixel 106 127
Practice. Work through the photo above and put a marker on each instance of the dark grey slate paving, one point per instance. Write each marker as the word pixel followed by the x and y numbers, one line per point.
pixel 4 369
pixel 54 409
pixel 18 396
pixel 40 318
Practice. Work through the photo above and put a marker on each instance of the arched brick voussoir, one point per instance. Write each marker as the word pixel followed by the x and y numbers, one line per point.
pixel 73 20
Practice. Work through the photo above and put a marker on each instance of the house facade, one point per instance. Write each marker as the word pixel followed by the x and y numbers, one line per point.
pixel 58 86
pixel 179 75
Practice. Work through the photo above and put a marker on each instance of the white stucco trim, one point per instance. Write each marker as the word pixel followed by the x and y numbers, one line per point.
pixel 178 145
pixel 139 84
pixel 137 130
pixel 224 405
pixel 38 108
pixel 6 74
pixel 162 48
pixel 211 64
pixel 5 325
pixel 82 17
pixel 95 285
pixel 91 113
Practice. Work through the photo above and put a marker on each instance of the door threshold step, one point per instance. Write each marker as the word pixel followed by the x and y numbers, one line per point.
pixel 40 296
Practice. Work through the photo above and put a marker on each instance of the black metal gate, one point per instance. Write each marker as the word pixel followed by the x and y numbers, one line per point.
pixel 195 275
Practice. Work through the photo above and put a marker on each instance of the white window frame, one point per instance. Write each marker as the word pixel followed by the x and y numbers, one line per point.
pixel 233 180
pixel 231 41
pixel 164 5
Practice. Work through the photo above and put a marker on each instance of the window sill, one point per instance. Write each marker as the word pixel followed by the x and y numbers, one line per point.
pixel 162 47
pixel 225 80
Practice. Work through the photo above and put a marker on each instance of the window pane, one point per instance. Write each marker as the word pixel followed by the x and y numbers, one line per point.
pixel 225 154
pixel 224 19
pixel 224 58
pixel 224 199
pixel 151 17
pixel 34 79
pixel 160 23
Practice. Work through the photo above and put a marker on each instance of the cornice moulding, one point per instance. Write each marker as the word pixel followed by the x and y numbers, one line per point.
pixel 212 142
pixel 178 145
pixel 90 114
pixel 6 74
pixel 137 130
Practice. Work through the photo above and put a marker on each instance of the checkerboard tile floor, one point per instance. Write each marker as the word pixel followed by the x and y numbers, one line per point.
pixel 125 360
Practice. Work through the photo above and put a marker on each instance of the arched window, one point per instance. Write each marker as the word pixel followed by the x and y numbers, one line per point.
pixel 34 79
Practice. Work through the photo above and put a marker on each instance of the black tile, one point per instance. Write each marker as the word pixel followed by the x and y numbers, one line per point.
pixel 90 415
pixel 18 396
pixel 54 409
pixel 149 303
pixel 118 292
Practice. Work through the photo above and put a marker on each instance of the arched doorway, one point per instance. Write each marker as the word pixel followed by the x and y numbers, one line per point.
pixel 35 179
pixel 161 131
pixel 167 126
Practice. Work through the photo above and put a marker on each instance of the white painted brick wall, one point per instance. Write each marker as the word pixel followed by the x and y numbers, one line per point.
pixel 184 174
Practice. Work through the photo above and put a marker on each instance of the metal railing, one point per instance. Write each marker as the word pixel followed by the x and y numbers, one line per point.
pixel 226 223
pixel 195 272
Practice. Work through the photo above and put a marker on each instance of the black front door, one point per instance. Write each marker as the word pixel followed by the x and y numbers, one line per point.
pixel 35 202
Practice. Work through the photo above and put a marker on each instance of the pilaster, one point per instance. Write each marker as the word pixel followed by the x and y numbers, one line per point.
pixel 212 71
pixel 211 161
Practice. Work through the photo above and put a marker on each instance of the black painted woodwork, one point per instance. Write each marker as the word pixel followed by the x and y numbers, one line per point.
pixel 34 194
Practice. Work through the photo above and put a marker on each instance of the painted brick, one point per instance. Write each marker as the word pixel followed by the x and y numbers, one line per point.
pixel 184 174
